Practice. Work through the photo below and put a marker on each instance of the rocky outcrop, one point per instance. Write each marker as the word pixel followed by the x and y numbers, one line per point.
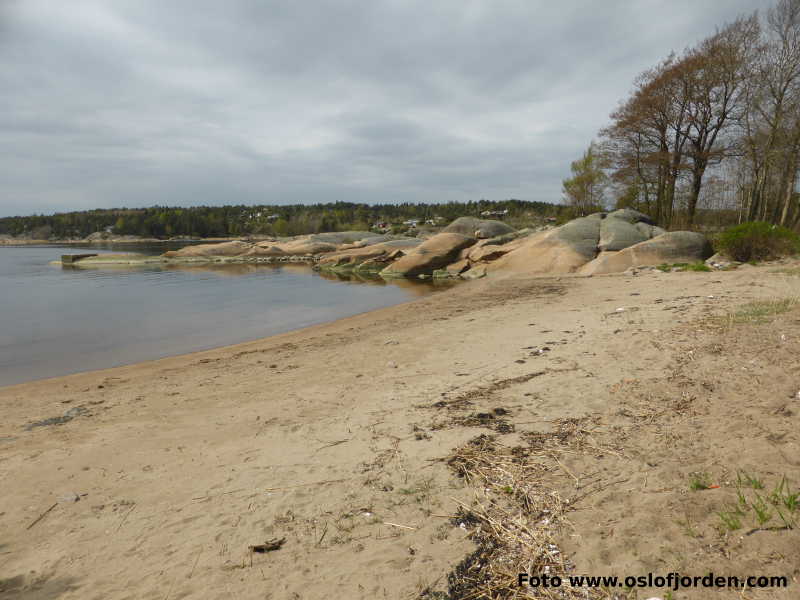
pixel 560 250
pixel 225 249
pixel 478 228
pixel 667 248
pixel 469 248
pixel 371 257
pixel 301 246
pixel 434 253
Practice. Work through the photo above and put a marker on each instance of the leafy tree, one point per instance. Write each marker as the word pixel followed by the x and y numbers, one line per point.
pixel 585 190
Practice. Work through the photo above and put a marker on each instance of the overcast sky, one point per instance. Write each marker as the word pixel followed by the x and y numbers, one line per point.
pixel 139 102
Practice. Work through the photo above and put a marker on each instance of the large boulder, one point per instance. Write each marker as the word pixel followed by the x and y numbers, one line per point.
pixel 618 234
pixel 478 228
pixel 558 251
pixel 630 215
pixel 581 235
pixel 650 231
pixel 434 253
pixel 625 227
pixel 671 247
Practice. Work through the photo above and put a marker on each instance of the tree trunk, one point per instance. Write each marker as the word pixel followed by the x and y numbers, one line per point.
pixel 697 184
pixel 788 191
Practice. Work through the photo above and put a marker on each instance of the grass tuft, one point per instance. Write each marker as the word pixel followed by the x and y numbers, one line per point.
pixel 761 311
pixel 699 481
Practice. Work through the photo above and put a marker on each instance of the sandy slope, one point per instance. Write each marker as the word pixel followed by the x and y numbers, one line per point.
pixel 327 437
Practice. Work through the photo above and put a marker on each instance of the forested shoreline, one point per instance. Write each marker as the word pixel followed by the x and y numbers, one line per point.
pixel 297 219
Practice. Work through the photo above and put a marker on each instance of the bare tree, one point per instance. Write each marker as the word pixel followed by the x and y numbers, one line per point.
pixel 716 74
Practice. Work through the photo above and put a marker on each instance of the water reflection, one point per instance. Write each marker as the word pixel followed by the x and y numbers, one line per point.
pixel 64 319
pixel 417 287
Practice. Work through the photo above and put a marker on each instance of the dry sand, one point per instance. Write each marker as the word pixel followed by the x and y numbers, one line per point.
pixel 333 438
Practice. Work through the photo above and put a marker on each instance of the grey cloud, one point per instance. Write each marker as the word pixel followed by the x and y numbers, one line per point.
pixel 138 102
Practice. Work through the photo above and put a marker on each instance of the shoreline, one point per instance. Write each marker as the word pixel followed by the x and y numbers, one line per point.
pixel 235 347
pixel 240 345
pixel 23 242
pixel 338 438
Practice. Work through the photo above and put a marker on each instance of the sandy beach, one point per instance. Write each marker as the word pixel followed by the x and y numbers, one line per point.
pixel 332 442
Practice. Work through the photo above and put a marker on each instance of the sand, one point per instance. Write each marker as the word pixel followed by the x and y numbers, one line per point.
pixel 331 438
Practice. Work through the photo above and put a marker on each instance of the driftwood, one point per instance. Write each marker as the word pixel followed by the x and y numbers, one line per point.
pixel 42 516
pixel 268 546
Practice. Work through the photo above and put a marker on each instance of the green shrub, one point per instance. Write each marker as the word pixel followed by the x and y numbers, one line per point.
pixel 699 266
pixel 758 241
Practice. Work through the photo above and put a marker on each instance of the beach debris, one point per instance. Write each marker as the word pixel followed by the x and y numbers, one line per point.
pixel 391 364
pixel 268 546
pixel 491 420
pixel 126 515
pixel 400 526
pixel 67 498
pixel 42 516
pixel 65 418
pixel 331 444
pixel 299 485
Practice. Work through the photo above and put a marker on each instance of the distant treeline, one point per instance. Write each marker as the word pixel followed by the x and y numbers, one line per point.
pixel 294 219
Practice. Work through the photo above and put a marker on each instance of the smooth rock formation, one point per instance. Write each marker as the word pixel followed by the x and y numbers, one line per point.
pixel 350 258
pixel 618 234
pixel 226 249
pixel 629 215
pixel 434 253
pixel 668 248
pixel 595 244
pixel 478 228
pixel 558 251
pixel 625 227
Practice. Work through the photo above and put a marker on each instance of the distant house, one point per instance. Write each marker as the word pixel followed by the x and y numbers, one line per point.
pixel 271 218
pixel 494 213
pixel 411 222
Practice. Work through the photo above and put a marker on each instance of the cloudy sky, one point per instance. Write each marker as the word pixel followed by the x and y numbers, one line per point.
pixel 138 102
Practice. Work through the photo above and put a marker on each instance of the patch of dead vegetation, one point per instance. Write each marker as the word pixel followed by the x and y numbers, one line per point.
pixel 516 516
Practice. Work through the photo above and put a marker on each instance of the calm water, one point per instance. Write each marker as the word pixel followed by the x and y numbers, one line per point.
pixel 55 320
